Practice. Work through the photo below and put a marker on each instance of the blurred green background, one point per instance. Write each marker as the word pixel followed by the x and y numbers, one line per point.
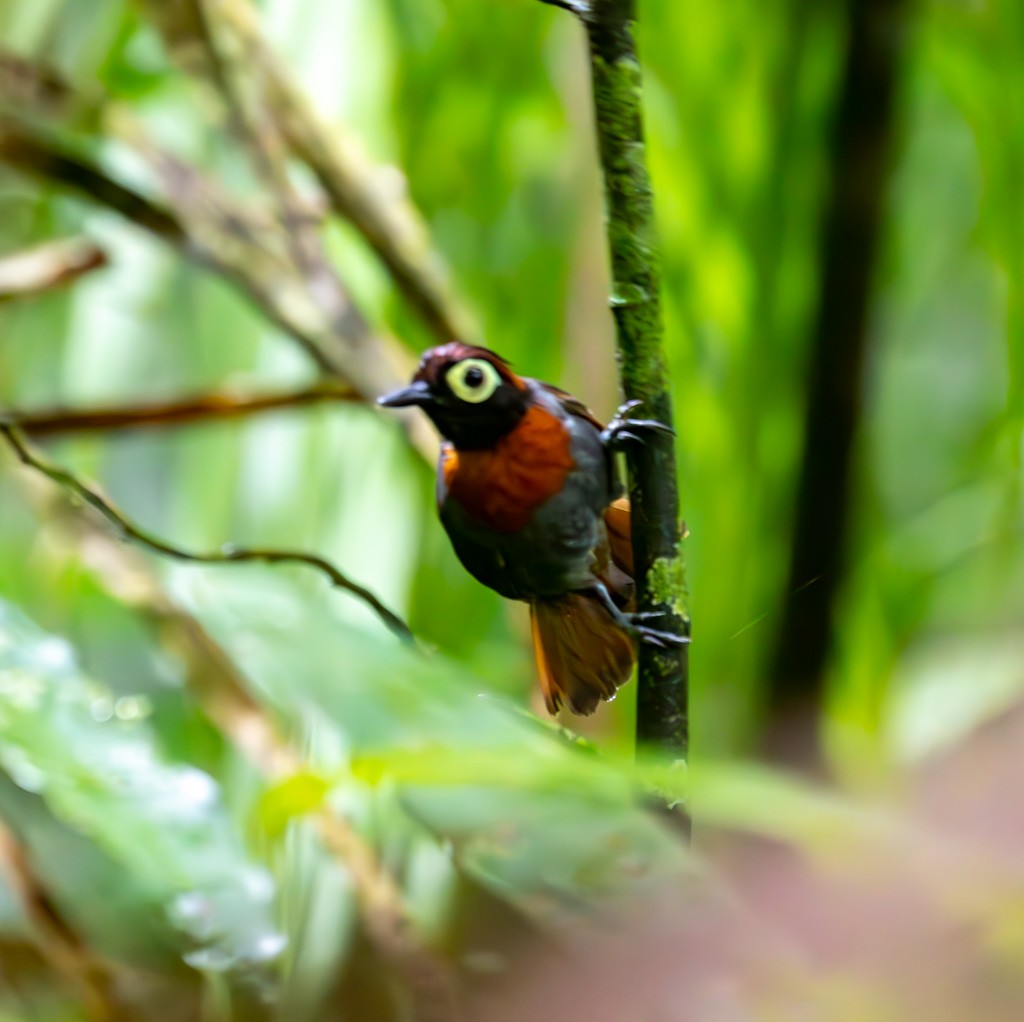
pixel 128 789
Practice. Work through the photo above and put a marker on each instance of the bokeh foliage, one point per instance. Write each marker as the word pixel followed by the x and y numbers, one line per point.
pixel 161 840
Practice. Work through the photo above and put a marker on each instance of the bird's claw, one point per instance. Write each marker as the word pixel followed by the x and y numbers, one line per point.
pixel 659 639
pixel 624 429
pixel 650 615
pixel 655 636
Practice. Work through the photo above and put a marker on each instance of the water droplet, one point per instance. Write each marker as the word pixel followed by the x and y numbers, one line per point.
pixel 210 959
pixel 193 911
pixel 102 709
pixel 626 295
pixel 258 883
pixel 21 769
pixel 132 708
pixel 21 689
pixel 54 654
pixel 268 946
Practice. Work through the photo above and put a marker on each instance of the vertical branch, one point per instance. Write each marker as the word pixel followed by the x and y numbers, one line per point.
pixel 662 713
pixel 860 159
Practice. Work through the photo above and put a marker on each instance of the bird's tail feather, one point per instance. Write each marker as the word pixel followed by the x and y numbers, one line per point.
pixel 583 654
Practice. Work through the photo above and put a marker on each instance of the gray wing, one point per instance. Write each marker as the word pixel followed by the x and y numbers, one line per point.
pixel 586 429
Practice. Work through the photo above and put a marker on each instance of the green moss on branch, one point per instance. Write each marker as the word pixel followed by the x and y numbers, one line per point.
pixel 635 301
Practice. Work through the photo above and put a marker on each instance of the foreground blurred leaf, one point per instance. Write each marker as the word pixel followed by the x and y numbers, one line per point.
pixel 541 823
pixel 103 776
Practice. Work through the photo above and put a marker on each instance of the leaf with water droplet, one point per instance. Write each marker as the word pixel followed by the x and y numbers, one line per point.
pixel 626 295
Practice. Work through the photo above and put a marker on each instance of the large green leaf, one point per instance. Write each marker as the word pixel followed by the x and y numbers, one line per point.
pixel 541 821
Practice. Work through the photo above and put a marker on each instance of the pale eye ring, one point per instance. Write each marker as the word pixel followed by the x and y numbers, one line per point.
pixel 473 380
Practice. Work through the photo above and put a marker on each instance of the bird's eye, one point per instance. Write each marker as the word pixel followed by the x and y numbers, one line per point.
pixel 473 380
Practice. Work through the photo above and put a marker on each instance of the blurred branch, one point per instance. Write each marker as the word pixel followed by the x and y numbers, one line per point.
pixel 227 556
pixel 199 222
pixel 36 153
pixel 202 408
pixel 208 228
pixel 860 165
pixel 662 697
pixel 389 222
pixel 293 285
pixel 26 83
pixel 48 266
pixel 238 78
pixel 57 942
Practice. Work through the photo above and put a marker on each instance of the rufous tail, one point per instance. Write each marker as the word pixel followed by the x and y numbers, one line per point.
pixel 583 655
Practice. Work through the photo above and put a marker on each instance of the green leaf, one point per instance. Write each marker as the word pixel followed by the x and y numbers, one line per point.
pixel 162 823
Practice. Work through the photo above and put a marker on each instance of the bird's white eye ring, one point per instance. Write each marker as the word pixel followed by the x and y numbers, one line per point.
pixel 473 380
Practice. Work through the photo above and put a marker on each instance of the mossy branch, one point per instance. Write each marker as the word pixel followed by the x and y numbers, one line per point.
pixel 662 710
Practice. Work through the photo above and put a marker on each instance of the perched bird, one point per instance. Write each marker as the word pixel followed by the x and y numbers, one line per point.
pixel 529 495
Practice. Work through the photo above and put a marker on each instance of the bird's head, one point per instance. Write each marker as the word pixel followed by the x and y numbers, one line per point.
pixel 470 394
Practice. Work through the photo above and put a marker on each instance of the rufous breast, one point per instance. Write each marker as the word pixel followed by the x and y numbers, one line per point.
pixel 503 486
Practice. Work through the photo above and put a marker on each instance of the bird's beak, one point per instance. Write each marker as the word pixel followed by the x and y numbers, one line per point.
pixel 417 393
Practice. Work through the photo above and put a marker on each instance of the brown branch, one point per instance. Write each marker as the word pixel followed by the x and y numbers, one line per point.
pixel 29 83
pixel 389 223
pixel 202 408
pixel 38 154
pixel 252 252
pixel 48 266
pixel 58 943
pixel 860 160
pixel 228 555
pixel 663 674
pixel 211 230
pixel 240 78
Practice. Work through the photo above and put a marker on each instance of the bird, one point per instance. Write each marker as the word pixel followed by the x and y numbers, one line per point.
pixel 530 497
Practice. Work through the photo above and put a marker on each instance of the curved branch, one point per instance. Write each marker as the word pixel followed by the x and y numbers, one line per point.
pixel 51 265
pixel 202 408
pixel 229 555
pixel 662 697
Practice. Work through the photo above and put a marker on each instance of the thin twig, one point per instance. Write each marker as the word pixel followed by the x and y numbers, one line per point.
pixel 229 555
pixel 37 153
pixel 662 697
pixel 50 265
pixel 201 408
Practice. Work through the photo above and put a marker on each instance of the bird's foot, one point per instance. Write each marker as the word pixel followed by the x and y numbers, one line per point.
pixel 624 429
pixel 633 623
pixel 654 636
